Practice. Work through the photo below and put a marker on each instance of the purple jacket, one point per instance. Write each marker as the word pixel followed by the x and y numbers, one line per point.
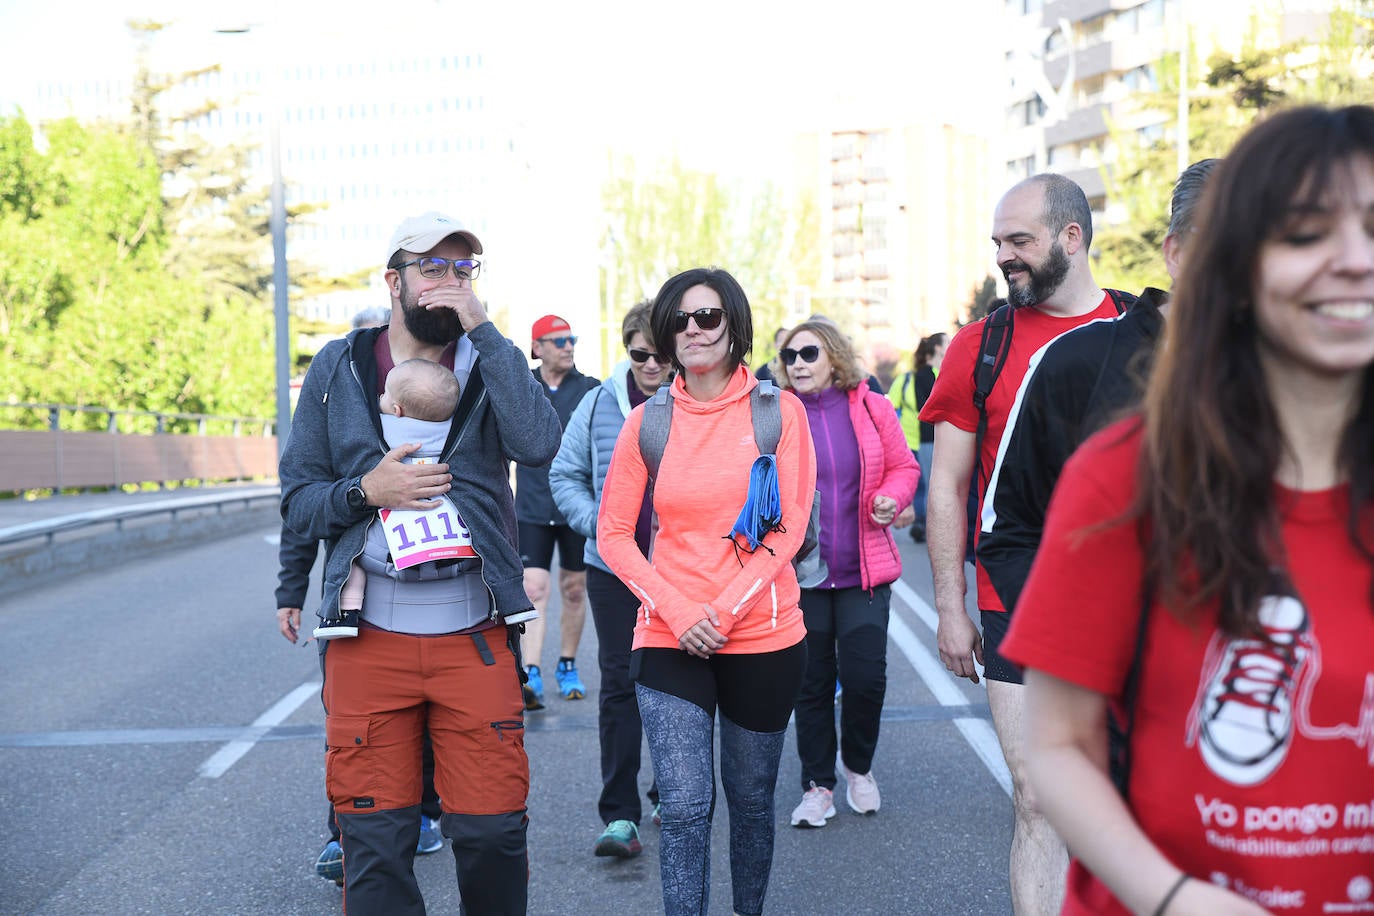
pixel 886 467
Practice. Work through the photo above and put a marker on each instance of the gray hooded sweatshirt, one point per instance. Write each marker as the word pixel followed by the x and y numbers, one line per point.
pixel 336 438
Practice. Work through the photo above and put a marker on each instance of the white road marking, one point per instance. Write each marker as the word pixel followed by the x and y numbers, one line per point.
pixel 977 732
pixel 222 759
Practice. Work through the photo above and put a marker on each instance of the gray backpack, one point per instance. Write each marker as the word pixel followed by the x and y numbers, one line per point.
pixel 767 418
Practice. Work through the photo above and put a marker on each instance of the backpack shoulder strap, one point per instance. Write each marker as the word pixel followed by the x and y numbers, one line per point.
pixel 992 353
pixel 1121 300
pixel 653 429
pixel 766 415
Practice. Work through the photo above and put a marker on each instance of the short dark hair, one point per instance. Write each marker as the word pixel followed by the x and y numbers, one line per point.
pixel 1065 203
pixel 739 320
pixel 637 320
pixel 1187 193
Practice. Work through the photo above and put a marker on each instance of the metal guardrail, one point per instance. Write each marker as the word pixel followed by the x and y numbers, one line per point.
pixel 49 529
pixel 54 413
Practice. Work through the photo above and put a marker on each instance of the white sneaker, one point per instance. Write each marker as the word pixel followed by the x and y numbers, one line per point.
pixel 817 806
pixel 1247 711
pixel 861 789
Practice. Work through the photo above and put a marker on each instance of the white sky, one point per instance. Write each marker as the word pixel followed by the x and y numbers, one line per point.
pixel 725 84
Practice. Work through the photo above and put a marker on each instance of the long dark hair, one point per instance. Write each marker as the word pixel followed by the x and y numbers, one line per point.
pixel 739 320
pixel 925 350
pixel 1212 442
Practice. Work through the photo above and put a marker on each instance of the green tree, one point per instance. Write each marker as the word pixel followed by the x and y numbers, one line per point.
pixel 88 312
pixel 980 300
pixel 1224 97
pixel 217 213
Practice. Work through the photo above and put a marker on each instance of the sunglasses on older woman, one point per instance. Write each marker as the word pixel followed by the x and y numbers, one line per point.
pixel 643 356
pixel 808 354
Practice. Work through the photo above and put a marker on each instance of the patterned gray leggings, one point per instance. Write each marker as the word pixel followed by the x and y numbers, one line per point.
pixel 680 744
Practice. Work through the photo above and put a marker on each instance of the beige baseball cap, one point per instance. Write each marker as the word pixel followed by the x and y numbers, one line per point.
pixel 419 234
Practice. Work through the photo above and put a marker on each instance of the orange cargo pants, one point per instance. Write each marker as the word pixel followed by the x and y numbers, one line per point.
pixel 381 690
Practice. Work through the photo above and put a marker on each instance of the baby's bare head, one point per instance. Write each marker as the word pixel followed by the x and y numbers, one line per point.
pixel 421 389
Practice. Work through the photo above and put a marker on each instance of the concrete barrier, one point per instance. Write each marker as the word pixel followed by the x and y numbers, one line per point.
pixel 85 541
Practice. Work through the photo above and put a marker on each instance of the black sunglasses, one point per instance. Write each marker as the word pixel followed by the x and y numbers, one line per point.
pixel 809 354
pixel 643 356
pixel 707 319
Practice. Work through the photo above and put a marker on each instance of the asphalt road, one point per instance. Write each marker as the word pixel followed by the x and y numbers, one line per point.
pixel 161 752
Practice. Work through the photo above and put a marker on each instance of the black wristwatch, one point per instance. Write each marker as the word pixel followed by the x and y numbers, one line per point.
pixel 357 499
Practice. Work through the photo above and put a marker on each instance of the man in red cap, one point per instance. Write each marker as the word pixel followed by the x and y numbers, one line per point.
pixel 542 525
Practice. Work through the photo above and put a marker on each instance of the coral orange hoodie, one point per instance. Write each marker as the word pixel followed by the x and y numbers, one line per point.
pixel 702 483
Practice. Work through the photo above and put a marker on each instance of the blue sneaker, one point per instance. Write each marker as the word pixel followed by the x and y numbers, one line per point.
pixel 619 839
pixel 533 689
pixel 329 865
pixel 431 840
pixel 569 684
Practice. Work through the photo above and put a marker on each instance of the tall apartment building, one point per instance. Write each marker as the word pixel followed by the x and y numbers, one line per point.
pixel 358 147
pixel 903 213
pixel 1074 65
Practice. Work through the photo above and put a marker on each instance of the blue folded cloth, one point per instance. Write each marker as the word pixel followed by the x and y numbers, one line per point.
pixel 762 510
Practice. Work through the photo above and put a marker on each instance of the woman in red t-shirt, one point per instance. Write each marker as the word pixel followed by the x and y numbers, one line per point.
pixel 1230 577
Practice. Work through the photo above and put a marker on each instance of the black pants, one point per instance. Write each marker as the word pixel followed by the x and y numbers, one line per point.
pixel 846 634
pixel 614 608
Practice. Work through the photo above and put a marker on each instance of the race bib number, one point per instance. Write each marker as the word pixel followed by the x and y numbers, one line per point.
pixel 419 536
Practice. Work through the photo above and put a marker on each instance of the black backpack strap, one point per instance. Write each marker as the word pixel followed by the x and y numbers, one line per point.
pixel 1120 728
pixel 992 355
pixel 1122 300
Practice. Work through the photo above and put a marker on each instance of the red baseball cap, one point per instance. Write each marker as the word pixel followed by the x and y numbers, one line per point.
pixel 549 324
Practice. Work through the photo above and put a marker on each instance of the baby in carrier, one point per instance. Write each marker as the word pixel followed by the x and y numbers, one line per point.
pixel 416 406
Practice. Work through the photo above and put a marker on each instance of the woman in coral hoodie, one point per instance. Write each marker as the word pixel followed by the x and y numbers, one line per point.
pixel 866 474
pixel 719 625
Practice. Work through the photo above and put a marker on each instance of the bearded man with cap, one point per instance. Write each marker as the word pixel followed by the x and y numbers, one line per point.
pixel 542 525
pixel 438 640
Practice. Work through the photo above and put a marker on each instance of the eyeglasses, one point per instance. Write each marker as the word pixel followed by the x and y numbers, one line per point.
pixel 809 354
pixel 561 342
pixel 707 319
pixel 643 356
pixel 437 268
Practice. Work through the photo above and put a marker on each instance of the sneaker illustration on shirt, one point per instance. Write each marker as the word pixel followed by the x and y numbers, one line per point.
pixel 1246 714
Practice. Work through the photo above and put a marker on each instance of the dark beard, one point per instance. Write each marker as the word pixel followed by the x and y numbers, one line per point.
pixel 432 326
pixel 1043 282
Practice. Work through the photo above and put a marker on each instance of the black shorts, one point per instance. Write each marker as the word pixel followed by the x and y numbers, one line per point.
pixel 536 547
pixel 995 666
